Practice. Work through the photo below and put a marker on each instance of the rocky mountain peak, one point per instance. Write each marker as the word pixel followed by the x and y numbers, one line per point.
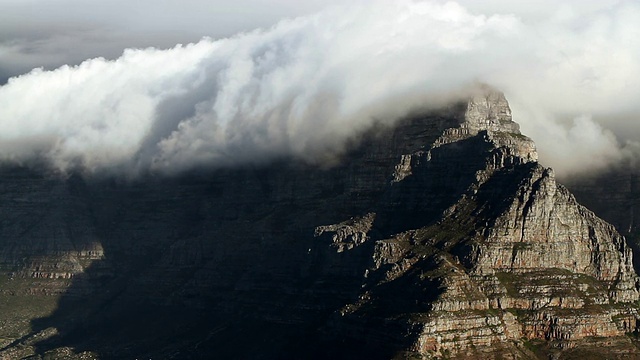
pixel 489 110
pixel 484 115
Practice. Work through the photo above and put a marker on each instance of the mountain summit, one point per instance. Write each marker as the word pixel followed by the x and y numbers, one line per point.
pixel 439 237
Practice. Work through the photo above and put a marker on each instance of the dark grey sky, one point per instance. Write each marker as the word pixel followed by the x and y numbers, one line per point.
pixel 51 33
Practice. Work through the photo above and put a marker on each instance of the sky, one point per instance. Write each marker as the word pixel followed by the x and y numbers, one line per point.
pixel 114 85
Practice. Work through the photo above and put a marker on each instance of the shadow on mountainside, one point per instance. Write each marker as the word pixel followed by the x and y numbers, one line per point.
pixel 259 291
pixel 225 263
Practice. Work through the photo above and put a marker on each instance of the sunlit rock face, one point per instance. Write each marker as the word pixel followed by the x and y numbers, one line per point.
pixel 441 236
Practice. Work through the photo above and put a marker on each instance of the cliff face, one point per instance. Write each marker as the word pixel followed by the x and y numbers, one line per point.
pixel 440 237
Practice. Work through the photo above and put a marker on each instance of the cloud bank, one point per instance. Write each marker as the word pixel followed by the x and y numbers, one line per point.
pixel 306 85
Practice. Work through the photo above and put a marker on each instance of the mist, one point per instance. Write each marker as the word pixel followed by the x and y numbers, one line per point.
pixel 306 85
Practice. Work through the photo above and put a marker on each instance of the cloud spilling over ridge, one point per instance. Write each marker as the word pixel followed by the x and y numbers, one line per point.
pixel 306 85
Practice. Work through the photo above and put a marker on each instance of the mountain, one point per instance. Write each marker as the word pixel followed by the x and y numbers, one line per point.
pixel 439 237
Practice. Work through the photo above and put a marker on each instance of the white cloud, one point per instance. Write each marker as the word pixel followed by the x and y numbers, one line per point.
pixel 308 84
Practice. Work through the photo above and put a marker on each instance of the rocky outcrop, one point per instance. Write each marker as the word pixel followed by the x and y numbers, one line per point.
pixel 516 257
pixel 348 234
pixel 440 237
